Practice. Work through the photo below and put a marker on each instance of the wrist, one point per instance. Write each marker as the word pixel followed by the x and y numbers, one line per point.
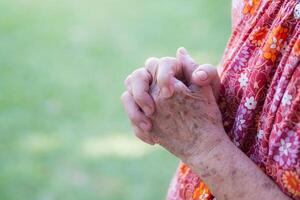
pixel 215 140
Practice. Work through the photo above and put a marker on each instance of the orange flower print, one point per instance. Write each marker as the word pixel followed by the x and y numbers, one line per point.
pixel 201 192
pixel 251 6
pixel 183 170
pixel 275 43
pixel 291 182
pixel 296 48
pixel 258 36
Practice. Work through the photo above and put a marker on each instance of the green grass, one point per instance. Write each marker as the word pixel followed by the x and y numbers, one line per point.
pixel 63 132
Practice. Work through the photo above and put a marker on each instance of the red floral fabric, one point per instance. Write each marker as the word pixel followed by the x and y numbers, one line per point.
pixel 260 95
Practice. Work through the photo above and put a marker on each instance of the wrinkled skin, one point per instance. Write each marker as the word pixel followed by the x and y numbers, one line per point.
pixel 187 123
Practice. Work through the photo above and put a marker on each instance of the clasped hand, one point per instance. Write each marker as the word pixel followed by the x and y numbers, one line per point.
pixel 171 101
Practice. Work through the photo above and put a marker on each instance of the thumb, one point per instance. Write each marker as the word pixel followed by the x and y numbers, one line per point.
pixel 207 74
pixel 200 75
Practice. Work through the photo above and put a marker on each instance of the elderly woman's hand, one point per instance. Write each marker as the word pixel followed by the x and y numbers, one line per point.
pixel 189 123
pixel 164 72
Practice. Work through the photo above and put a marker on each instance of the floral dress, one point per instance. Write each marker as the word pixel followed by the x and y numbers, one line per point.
pixel 259 96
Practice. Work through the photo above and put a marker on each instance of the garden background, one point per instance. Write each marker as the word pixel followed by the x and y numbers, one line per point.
pixel 63 132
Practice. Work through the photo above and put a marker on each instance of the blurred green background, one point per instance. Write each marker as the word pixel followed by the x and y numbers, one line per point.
pixel 63 132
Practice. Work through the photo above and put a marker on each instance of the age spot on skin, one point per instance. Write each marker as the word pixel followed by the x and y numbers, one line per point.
pixel 185 113
pixel 172 106
pixel 195 126
pixel 182 122
pixel 168 116
pixel 213 171
pixel 268 186
pixel 217 157
pixel 206 175
pixel 225 197
pixel 241 195
pixel 233 173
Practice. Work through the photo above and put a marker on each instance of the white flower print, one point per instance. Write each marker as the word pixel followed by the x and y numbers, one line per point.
pixel 278 133
pixel 243 80
pixel 244 111
pixel 272 143
pixel 203 196
pixel 250 2
pixel 240 122
pixel 231 51
pixel 277 94
pixel 286 99
pixel 276 44
pixel 273 107
pixel 288 150
pixel 284 48
pixel 241 59
pixel 236 142
pixel 235 3
pixel 274 139
pixel 260 134
pixel 283 81
pixel 293 62
pixel 274 41
pixel 250 103
pixel 285 145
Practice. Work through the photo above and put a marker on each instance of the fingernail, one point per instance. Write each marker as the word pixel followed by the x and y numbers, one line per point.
pixel 202 75
pixel 183 51
pixel 144 126
pixel 166 92
pixel 147 110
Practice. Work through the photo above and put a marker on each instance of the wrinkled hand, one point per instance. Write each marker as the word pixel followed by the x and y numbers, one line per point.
pixel 187 123
pixel 163 72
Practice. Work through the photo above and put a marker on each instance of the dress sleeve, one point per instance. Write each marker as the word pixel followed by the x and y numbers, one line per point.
pixel 236 12
pixel 284 139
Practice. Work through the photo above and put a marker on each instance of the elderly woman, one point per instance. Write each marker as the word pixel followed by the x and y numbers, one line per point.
pixel 237 133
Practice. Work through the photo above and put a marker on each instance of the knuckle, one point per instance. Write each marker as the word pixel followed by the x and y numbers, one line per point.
pixel 152 61
pixel 140 134
pixel 139 72
pixel 137 131
pixel 127 80
pixel 124 96
pixel 194 65
pixel 140 98
pixel 134 117
pixel 167 60
pixel 208 67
